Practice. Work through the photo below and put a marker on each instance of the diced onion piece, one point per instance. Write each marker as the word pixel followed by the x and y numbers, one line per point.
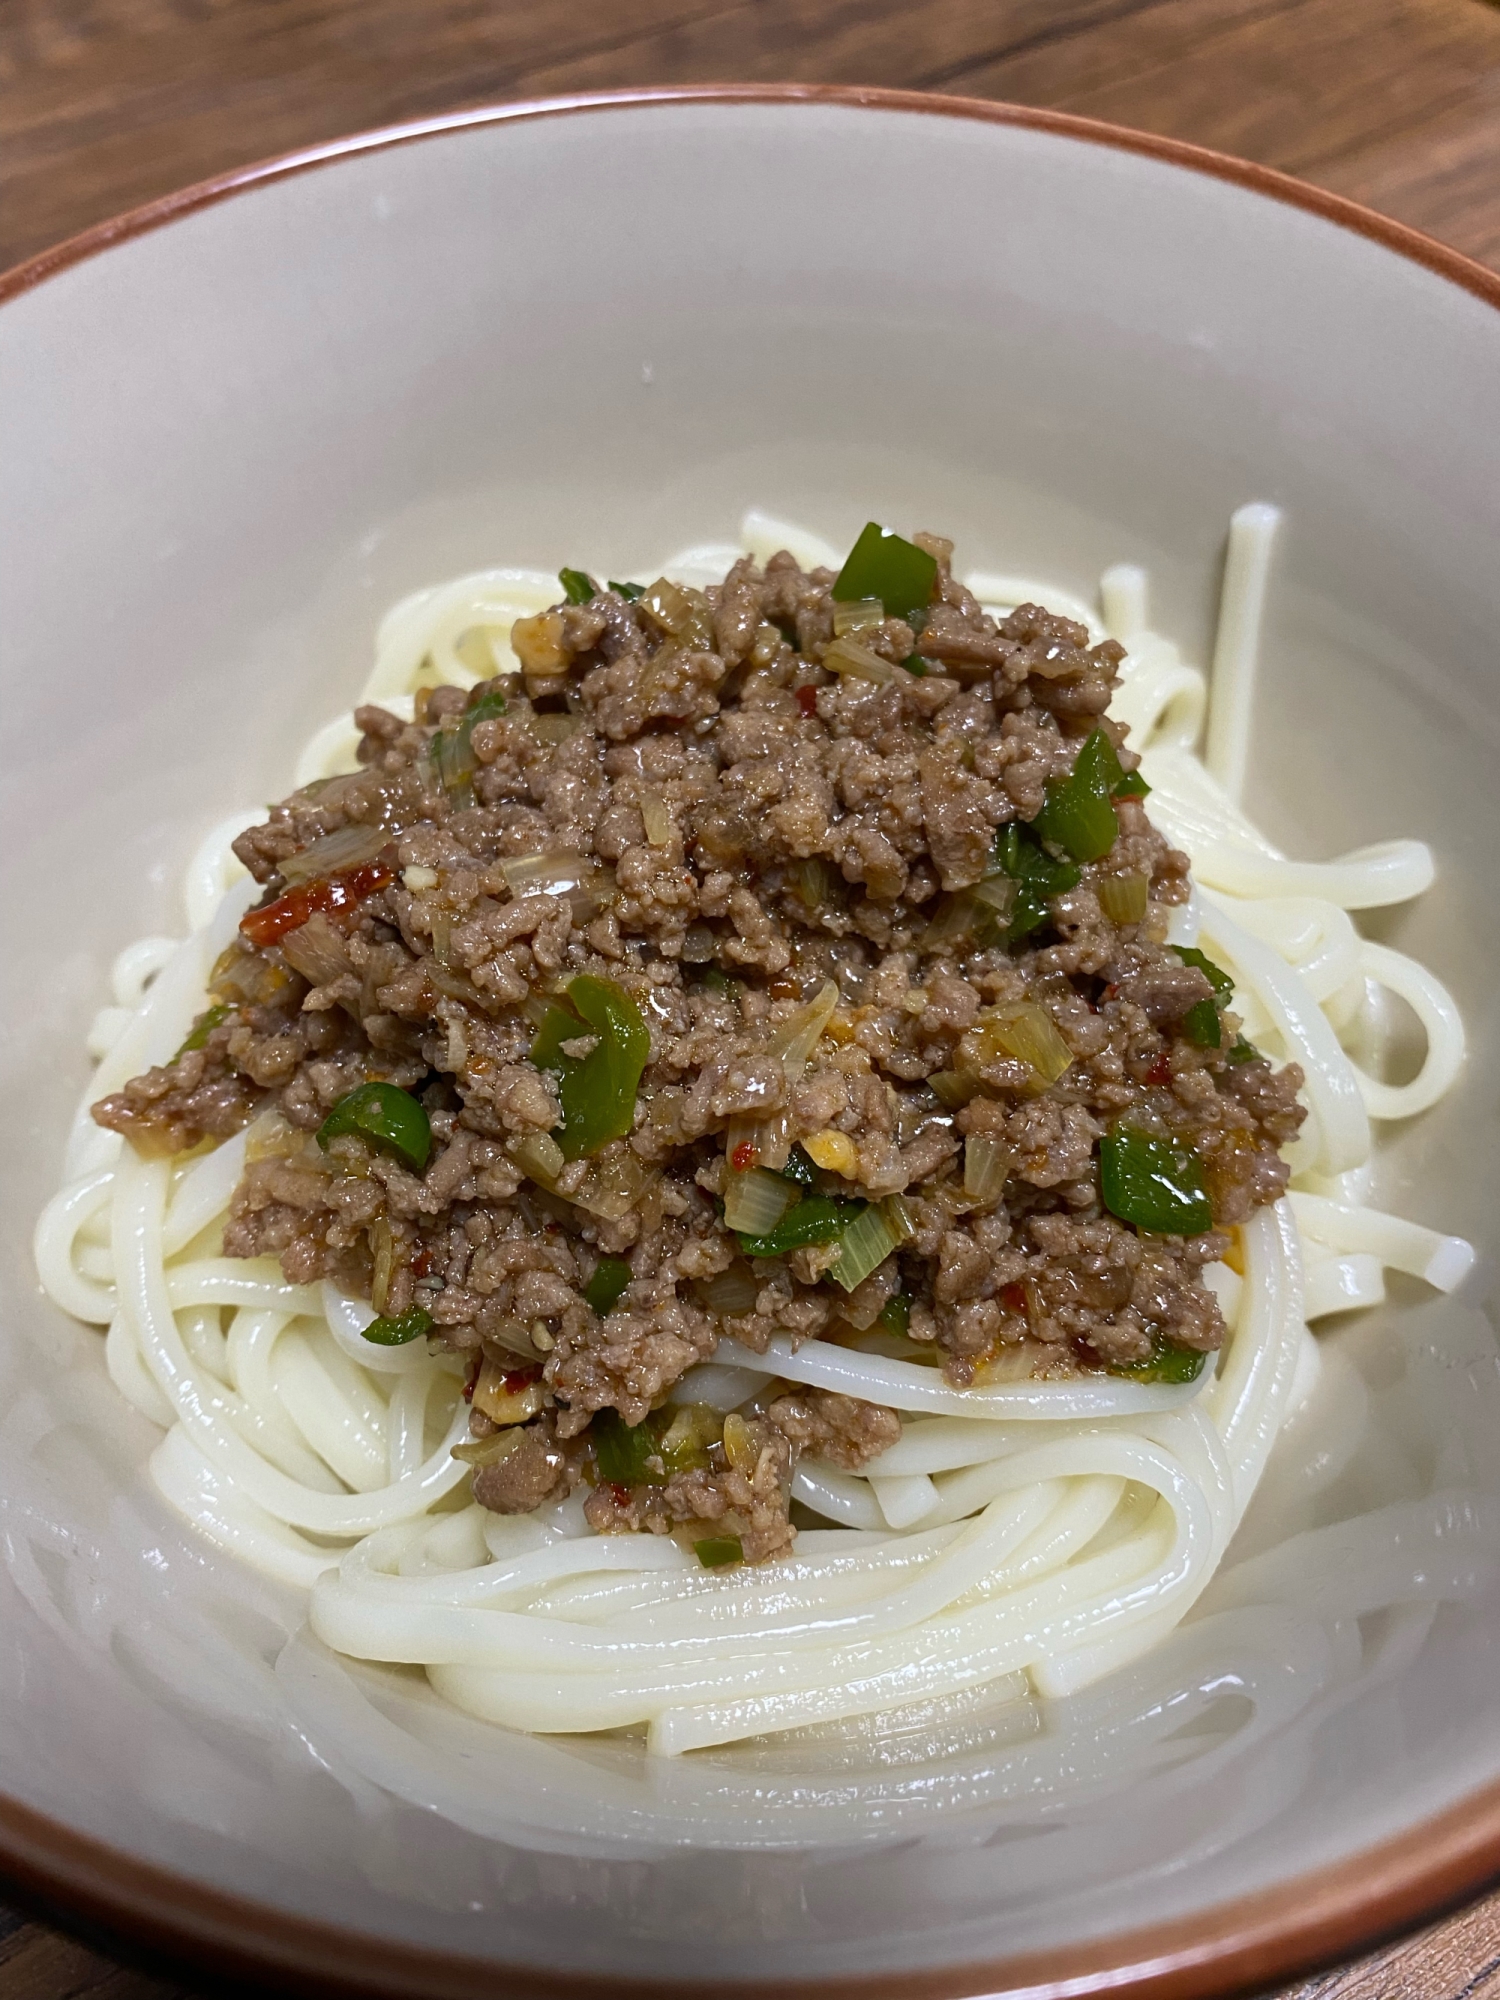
pixel 867 1242
pixel 987 1163
pixel 732 1292
pixel 847 656
pixel 553 728
pixel 742 1441
pixel 335 853
pixel 1028 1033
pixel 614 1187
pixel 1123 897
pixel 316 950
pixel 539 1156
pixel 555 873
pixel 756 1201
pixel 957 917
pixel 899 1218
pixel 502 1405
pixel 996 892
pixel 487 1451
pixel 656 819
pixel 537 644
pixel 834 1151
pixel 953 1087
pixel 667 606
pixel 797 1037
pixel 855 616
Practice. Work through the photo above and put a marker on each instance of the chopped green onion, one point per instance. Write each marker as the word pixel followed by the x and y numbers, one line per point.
pixel 1153 1184
pixel 1131 786
pixel 817 1218
pixel 882 565
pixel 197 1036
pixel 389 1118
pixel 867 1242
pixel 1077 815
pixel 1123 898
pixel 987 1164
pixel 1243 1052
pixel 606 1287
pixel 1168 1361
pixel 489 705
pixel 629 591
pixel 410 1325
pixel 578 585
pixel 714 1551
pixel 1202 1026
pixel 799 1168
pixel 895 1314
pixel 915 664
pixel 621 1450
pixel 598 1090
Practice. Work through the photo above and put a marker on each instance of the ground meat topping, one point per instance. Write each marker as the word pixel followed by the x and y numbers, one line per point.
pixel 678 797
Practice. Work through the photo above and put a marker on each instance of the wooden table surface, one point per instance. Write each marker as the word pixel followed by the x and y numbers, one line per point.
pixel 106 103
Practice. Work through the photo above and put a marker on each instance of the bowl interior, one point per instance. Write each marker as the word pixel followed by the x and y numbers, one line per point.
pixel 598 336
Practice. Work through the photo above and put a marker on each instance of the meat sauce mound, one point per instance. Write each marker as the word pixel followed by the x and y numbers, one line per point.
pixel 568 924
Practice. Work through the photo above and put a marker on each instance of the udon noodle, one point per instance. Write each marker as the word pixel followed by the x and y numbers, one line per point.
pixel 1028 1536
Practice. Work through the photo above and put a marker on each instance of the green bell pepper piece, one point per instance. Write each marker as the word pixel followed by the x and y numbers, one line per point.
pixel 882 565
pixel 714 1551
pixel 817 1218
pixel 389 1118
pixel 1077 815
pixel 606 1287
pixel 410 1325
pixel 1153 1184
pixel 578 586
pixel 1168 1361
pixel 597 1090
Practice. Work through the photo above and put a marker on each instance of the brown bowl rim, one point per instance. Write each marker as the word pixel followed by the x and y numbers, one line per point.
pixel 1249 1942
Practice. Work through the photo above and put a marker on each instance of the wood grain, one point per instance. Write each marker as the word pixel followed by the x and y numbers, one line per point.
pixel 108 103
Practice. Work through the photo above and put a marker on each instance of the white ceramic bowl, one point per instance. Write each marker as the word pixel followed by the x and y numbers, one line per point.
pixel 240 424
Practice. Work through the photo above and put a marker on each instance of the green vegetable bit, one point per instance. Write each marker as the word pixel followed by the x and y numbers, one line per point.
pixel 895 1314
pixel 1243 1052
pixel 714 1551
pixel 389 1118
pixel 197 1036
pixel 1131 786
pixel 578 585
pixel 1168 1361
pixel 1019 854
pixel 606 1287
pixel 621 1450
pixel 1153 1184
pixel 597 1090
pixel 799 1168
pixel 915 664
pixel 882 565
pixel 1201 1023
pixel 1202 1026
pixel 817 1218
pixel 1078 815
pixel 410 1325
pixel 629 591
pixel 1216 976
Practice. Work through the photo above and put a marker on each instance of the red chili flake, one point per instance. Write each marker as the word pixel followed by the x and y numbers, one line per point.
pixel 744 1156
pixel 1161 1070
pixel 516 1379
pixel 270 923
pixel 618 1493
pixel 421 1264
pixel 1013 1298
pixel 474 1367
pixel 807 700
